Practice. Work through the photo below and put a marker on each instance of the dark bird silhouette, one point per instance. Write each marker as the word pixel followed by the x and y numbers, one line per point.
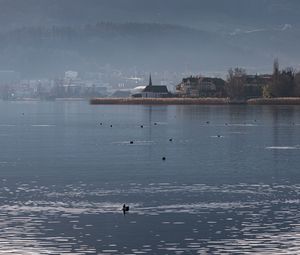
pixel 125 208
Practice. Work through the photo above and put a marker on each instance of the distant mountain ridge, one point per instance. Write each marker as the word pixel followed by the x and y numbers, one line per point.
pixel 42 37
pixel 49 50
pixel 201 14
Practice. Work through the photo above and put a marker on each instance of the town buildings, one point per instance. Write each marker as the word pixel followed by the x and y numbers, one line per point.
pixel 198 86
pixel 154 91
pixel 254 85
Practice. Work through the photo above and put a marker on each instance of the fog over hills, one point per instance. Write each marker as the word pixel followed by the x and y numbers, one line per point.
pixel 45 37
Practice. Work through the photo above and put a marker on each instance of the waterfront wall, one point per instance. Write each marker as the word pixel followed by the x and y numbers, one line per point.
pixel 194 101
pixel 160 101
pixel 275 101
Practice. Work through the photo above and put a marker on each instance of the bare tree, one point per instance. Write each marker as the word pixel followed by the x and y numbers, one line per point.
pixel 297 84
pixel 236 80
pixel 282 83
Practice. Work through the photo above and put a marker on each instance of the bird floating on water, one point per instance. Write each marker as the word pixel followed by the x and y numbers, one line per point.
pixel 125 208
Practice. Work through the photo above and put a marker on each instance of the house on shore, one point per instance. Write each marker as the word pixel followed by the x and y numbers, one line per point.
pixel 254 84
pixel 198 86
pixel 153 91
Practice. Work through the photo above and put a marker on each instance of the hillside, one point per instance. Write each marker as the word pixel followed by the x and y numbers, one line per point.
pixel 42 37
pixel 50 50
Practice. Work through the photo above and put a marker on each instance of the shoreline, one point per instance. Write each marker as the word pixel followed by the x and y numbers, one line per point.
pixel 29 99
pixel 160 101
pixel 194 101
pixel 274 101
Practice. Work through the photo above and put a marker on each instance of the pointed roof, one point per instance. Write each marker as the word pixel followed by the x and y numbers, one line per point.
pixel 155 88
pixel 150 80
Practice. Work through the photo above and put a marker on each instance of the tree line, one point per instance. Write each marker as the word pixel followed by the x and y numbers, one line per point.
pixel 281 83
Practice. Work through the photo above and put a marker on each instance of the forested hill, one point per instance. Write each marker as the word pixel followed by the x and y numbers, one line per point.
pixel 51 50
pixel 202 14
pixel 44 37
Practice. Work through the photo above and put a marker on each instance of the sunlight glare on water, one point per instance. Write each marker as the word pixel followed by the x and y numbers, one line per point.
pixel 222 189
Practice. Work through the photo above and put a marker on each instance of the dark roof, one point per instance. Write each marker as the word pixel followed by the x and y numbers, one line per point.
pixel 156 89
pixel 216 81
pixel 198 79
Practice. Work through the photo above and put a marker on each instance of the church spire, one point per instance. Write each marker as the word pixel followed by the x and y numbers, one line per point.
pixel 150 80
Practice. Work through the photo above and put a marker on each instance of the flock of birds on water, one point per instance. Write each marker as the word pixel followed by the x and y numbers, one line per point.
pixel 170 139
pixel 125 207
pixel 142 126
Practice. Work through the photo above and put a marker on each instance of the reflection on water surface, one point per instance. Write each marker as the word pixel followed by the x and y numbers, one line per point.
pixel 229 185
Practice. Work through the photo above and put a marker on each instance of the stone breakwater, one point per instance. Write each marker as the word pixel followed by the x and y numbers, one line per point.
pixel 194 101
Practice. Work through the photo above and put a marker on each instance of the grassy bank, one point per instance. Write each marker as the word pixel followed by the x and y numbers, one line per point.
pixel 275 101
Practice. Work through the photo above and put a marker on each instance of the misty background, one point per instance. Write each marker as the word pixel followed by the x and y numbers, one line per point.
pixel 43 38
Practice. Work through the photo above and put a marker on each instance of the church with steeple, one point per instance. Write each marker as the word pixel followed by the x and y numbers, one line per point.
pixel 155 91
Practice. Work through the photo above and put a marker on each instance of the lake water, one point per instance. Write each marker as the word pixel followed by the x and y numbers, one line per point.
pixel 230 183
